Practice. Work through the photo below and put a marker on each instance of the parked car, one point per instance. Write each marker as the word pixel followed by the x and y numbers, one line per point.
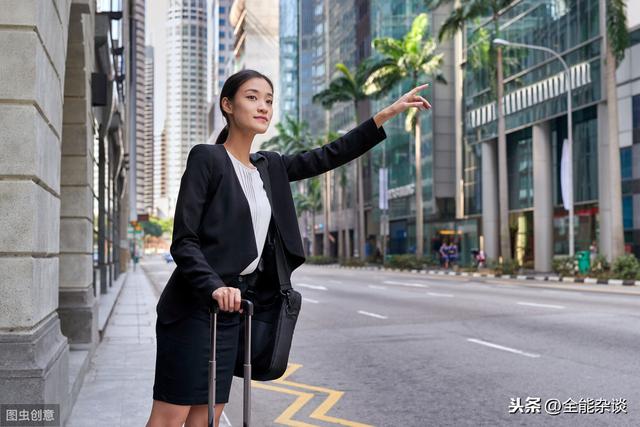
pixel 168 258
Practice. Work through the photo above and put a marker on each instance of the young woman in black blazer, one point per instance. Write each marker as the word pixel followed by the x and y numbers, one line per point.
pixel 213 241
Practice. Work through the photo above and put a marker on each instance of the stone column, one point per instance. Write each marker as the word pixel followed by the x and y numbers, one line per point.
pixel 33 351
pixel 542 197
pixel 78 309
pixel 490 218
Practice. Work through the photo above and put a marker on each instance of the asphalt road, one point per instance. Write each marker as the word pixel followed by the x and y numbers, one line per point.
pixel 399 349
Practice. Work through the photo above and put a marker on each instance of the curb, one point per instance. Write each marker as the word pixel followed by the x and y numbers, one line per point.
pixel 543 278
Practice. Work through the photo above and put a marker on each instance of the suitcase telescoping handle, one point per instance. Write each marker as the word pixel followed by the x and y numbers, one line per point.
pixel 247 307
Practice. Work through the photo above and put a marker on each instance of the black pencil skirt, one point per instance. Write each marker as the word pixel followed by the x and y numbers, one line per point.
pixel 182 356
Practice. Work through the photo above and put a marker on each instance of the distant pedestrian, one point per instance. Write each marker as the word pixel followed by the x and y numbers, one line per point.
pixel 444 254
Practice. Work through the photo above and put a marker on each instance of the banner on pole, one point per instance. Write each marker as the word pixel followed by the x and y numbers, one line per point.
pixel 566 178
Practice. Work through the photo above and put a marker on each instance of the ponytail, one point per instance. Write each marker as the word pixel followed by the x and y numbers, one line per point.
pixel 224 133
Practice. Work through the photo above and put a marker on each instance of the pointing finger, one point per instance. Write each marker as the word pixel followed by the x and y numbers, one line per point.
pixel 418 88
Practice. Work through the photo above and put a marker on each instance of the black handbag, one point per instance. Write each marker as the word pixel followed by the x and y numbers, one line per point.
pixel 272 325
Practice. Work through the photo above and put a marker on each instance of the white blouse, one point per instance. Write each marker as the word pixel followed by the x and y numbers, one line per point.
pixel 259 205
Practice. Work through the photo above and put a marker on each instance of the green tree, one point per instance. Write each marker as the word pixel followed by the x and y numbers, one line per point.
pixel 310 202
pixel 413 58
pixel 347 86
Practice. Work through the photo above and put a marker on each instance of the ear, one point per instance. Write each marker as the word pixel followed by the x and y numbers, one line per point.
pixel 227 107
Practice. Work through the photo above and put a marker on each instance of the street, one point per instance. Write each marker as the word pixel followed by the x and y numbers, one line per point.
pixel 400 349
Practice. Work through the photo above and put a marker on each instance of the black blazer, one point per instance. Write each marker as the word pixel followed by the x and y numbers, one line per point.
pixel 213 239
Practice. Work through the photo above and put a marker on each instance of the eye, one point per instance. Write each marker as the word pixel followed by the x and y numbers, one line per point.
pixel 270 101
pixel 252 97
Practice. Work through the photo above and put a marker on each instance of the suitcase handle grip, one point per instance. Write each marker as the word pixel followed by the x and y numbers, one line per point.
pixel 247 307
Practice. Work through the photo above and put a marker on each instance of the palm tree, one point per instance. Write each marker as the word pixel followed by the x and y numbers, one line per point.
pixel 410 59
pixel 293 136
pixel 310 203
pixel 617 40
pixel 349 87
pixel 466 13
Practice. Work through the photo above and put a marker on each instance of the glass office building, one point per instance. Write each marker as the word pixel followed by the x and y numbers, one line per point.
pixel 535 108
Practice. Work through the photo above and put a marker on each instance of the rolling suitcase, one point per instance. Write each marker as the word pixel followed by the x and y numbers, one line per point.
pixel 247 307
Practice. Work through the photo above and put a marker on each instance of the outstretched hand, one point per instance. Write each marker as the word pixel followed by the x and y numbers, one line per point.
pixel 410 99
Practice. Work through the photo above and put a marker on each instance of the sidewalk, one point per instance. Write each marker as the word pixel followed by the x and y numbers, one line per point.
pixel 117 390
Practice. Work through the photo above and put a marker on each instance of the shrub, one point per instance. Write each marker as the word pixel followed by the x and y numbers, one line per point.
pixel 320 259
pixel 352 262
pixel 506 267
pixel 564 266
pixel 600 267
pixel 406 261
pixel 626 267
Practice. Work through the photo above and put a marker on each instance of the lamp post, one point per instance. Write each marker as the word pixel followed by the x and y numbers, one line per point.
pixel 503 42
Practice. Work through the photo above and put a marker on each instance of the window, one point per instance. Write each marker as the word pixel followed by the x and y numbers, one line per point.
pixel 222 10
pixel 221 47
pixel 222 22
pixel 635 107
pixel 626 155
pixel 627 212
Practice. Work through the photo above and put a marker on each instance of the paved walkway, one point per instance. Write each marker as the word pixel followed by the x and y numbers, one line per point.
pixel 117 390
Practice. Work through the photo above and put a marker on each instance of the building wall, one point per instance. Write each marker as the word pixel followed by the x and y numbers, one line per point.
pixel 149 146
pixel 628 78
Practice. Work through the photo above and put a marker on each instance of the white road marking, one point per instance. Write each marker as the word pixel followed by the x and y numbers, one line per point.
pixel 378 316
pixel 412 284
pixel 435 294
pixel 312 301
pixel 500 347
pixel 377 287
pixel 317 287
pixel 533 304
pixel 225 420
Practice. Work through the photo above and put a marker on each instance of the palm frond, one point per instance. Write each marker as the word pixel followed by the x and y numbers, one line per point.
pixel 413 39
pixel 617 34
pixel 381 80
pixel 388 47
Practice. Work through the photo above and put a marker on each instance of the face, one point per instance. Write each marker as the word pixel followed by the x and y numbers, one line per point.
pixel 252 106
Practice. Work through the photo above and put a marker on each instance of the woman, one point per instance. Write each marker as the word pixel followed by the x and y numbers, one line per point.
pixel 224 216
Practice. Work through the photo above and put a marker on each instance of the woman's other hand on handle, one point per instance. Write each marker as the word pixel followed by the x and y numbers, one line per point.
pixel 228 298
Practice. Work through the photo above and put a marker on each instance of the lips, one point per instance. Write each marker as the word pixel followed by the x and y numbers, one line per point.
pixel 262 118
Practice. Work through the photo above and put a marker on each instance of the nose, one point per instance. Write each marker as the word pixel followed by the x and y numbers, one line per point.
pixel 262 108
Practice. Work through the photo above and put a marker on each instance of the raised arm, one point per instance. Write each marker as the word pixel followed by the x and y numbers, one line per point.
pixel 353 144
pixel 349 146
pixel 185 246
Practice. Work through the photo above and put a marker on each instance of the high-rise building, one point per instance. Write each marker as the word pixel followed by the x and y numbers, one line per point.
pixel 312 64
pixel 161 176
pixel 186 117
pixel 535 109
pixel 288 76
pixel 223 40
pixel 149 147
pixel 256 45
pixel 139 83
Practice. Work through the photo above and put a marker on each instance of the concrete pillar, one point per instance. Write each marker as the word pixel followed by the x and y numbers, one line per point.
pixel 78 309
pixel 490 214
pixel 34 360
pixel 542 197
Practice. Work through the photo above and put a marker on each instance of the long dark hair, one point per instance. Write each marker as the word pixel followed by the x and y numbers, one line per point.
pixel 229 89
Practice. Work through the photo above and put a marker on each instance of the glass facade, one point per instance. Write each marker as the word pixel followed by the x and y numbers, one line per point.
pixel 289 58
pixel 520 169
pixel 397 153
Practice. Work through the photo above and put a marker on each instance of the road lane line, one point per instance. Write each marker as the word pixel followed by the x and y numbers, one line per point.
pixel 413 285
pixel 500 347
pixel 533 304
pixel 312 301
pixel 377 316
pixel 377 287
pixel 316 287
pixel 436 294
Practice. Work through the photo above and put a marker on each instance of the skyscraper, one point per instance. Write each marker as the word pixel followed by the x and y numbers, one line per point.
pixel 148 130
pixel 186 118
pixel 141 143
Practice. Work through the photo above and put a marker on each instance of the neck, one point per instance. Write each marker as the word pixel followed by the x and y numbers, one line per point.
pixel 239 144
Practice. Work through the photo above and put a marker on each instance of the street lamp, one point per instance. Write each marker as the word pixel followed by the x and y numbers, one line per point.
pixel 503 42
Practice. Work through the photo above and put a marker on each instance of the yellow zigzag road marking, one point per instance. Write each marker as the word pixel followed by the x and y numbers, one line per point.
pixel 320 412
pixel 285 417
